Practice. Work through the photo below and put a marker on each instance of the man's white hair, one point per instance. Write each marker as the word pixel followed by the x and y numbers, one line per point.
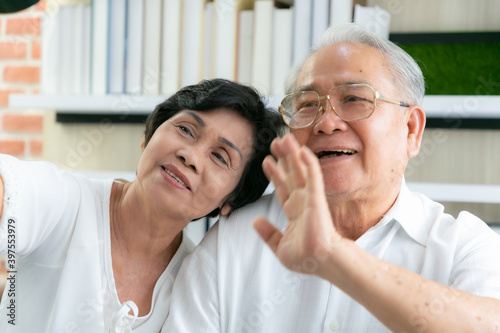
pixel 407 74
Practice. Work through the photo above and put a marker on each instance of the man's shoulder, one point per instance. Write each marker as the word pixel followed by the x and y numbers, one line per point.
pixel 266 206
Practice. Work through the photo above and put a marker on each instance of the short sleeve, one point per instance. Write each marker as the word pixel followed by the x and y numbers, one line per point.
pixel 477 265
pixel 195 304
pixel 36 198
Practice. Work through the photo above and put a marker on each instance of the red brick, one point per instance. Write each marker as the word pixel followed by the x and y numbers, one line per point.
pixel 12 50
pixel 21 74
pixel 36 147
pixel 12 147
pixel 35 49
pixel 23 26
pixel 23 123
pixel 4 96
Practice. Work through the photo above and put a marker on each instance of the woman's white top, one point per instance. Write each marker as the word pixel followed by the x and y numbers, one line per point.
pixel 61 278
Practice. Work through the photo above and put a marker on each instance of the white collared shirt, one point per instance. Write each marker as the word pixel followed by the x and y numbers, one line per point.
pixel 232 282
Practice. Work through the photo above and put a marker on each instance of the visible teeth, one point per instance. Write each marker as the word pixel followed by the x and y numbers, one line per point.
pixel 177 179
pixel 335 153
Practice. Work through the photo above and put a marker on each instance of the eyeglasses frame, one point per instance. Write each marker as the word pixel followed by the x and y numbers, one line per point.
pixel 376 94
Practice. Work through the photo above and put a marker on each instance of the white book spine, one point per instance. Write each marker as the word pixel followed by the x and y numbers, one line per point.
pixel 191 41
pixel 133 59
pixel 320 18
pixel 99 46
pixel 340 12
pixel 374 19
pixel 208 24
pixel 282 44
pixel 225 39
pixel 245 47
pixel 49 54
pixel 171 43
pixel 116 55
pixel 67 49
pixel 301 29
pixel 85 80
pixel 262 52
pixel 152 38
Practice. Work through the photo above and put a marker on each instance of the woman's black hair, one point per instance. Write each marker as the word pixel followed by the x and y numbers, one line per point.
pixel 248 103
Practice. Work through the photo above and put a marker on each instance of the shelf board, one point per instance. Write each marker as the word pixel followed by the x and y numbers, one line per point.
pixel 88 104
pixel 443 111
pixel 435 106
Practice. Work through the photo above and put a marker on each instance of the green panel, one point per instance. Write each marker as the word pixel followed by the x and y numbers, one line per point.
pixel 458 69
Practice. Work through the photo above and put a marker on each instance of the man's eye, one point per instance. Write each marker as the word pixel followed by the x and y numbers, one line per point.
pixel 353 99
pixel 220 158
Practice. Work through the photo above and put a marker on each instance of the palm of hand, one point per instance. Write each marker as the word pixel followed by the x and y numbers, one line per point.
pixel 310 233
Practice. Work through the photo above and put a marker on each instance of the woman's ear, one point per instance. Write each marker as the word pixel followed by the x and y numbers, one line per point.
pixel 416 125
pixel 143 143
pixel 225 210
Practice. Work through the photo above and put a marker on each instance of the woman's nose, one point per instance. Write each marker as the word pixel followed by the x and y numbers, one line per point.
pixel 190 158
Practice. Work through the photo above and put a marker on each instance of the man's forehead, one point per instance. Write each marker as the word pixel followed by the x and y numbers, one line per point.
pixel 341 63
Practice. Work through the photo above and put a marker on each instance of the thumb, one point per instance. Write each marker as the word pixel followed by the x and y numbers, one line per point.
pixel 268 233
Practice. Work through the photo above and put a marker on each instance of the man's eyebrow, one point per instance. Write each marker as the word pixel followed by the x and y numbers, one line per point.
pixel 308 87
pixel 230 144
pixel 315 87
pixel 197 118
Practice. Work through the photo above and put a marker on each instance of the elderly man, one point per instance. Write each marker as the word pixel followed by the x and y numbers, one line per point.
pixel 350 248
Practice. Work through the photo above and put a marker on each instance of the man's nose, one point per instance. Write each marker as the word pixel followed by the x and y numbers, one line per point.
pixel 328 121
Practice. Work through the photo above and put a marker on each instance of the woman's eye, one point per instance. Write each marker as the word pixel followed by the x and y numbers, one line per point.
pixel 184 129
pixel 220 158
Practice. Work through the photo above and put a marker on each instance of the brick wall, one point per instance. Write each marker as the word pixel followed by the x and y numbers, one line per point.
pixel 20 130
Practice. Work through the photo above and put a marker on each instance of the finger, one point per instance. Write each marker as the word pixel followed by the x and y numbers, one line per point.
pixel 296 168
pixel 313 169
pixel 277 177
pixel 268 233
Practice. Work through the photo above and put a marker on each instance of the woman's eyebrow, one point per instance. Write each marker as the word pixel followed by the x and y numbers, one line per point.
pixel 197 118
pixel 230 144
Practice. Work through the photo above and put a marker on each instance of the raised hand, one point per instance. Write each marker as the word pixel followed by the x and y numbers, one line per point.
pixel 310 234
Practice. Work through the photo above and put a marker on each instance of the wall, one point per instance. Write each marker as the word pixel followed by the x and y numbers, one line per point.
pixel 441 15
pixel 21 131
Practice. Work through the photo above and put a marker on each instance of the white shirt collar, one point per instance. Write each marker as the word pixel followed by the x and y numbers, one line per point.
pixel 411 211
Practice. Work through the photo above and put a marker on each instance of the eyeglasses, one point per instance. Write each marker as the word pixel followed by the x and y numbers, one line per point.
pixel 352 102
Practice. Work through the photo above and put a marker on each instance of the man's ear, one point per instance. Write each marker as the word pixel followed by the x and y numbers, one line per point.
pixel 225 210
pixel 143 143
pixel 416 125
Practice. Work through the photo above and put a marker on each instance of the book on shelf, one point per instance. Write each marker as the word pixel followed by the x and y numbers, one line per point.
pixel 192 23
pixel 282 44
pixel 375 19
pixel 207 41
pixel 301 29
pixel 152 39
pixel 68 48
pixel 340 12
pixel 99 46
pixel 134 46
pixel 262 41
pixel 84 66
pixel 116 54
pixel 245 47
pixel 320 19
pixel 49 74
pixel 157 46
pixel 170 43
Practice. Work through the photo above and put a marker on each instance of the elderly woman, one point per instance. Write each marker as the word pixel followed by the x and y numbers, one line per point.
pixel 90 255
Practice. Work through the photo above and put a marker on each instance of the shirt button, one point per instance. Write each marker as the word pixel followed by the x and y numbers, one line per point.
pixel 334 325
